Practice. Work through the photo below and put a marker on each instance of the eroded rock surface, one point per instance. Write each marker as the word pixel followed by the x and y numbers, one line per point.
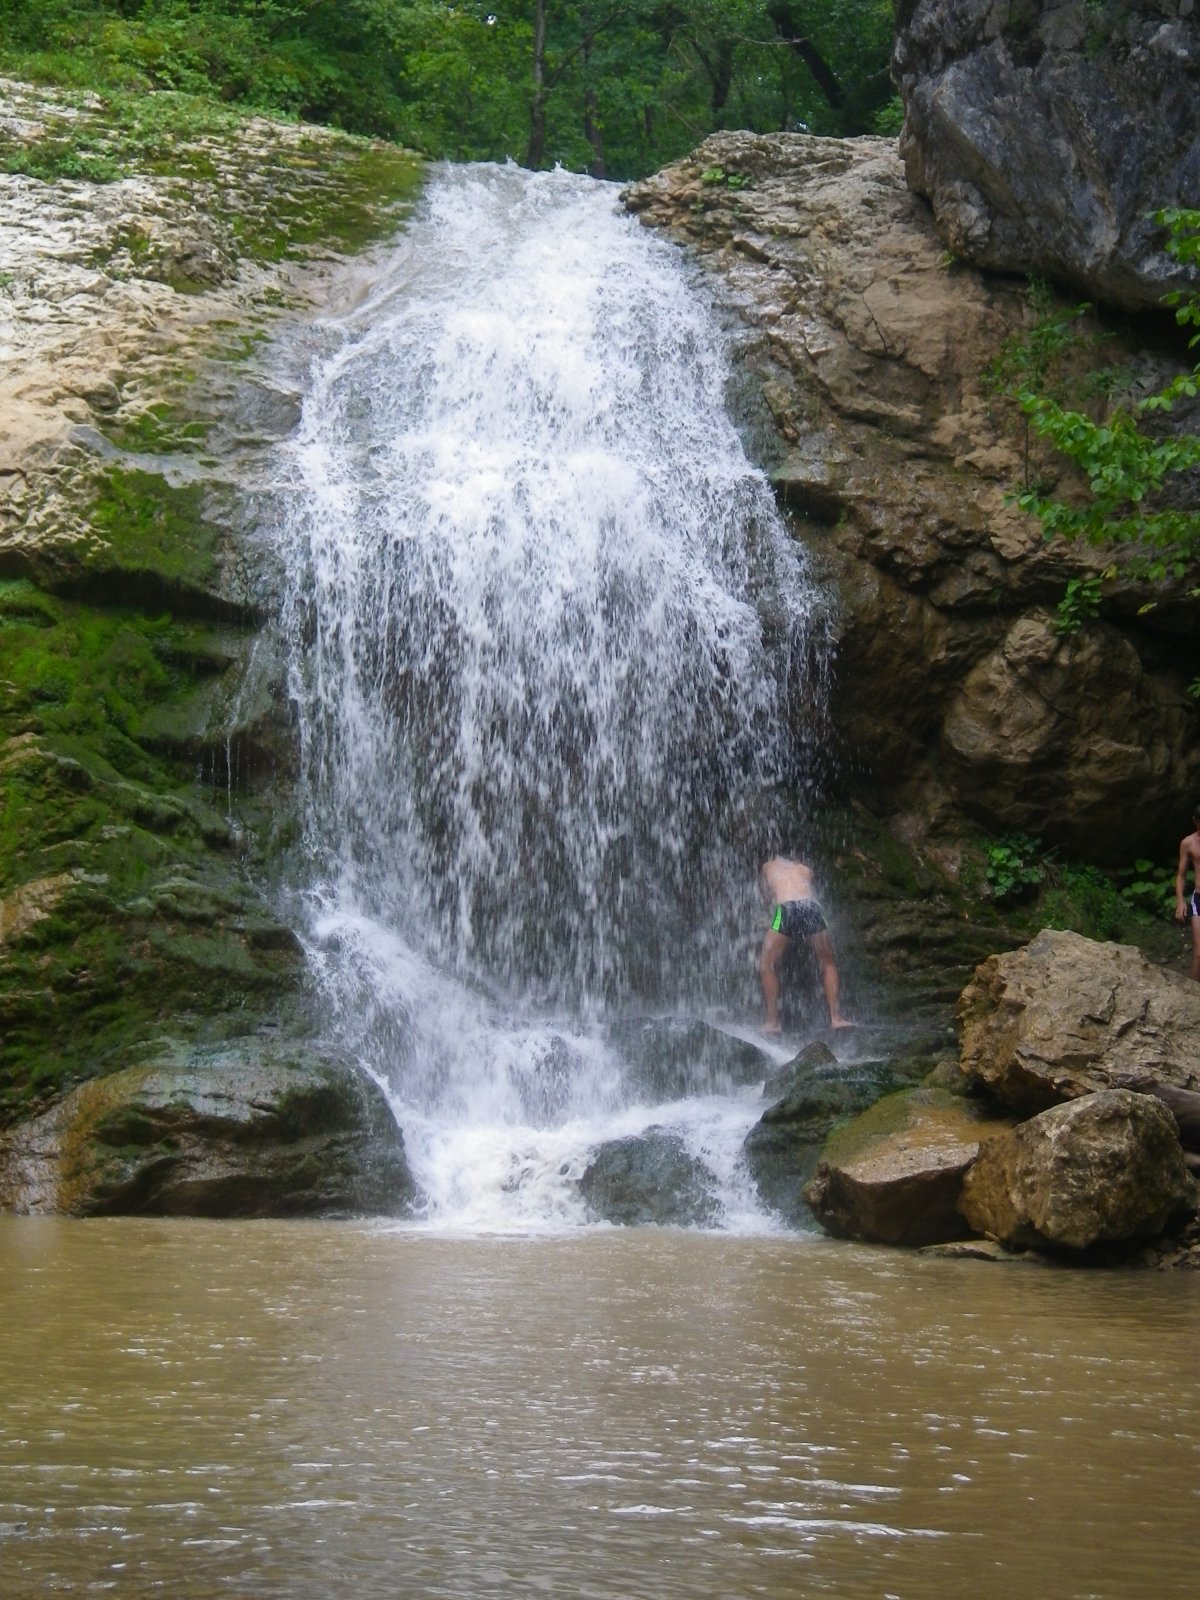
pixel 250 1130
pixel 1066 1016
pixel 894 1175
pixel 144 744
pixel 1044 135
pixel 870 352
pixel 1102 1169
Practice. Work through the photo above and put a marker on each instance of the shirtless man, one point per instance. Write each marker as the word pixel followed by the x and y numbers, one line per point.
pixel 1187 906
pixel 788 886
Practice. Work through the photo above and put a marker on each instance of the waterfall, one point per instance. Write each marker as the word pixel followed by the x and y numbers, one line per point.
pixel 530 569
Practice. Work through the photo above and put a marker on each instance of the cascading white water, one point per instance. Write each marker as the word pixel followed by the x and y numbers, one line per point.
pixel 529 566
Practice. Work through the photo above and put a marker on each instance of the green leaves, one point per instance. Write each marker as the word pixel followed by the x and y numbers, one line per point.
pixel 1134 470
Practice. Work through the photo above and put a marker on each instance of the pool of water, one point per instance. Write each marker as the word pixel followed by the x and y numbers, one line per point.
pixel 307 1410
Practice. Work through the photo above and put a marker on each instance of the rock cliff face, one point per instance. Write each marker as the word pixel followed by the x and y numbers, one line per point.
pixel 1044 134
pixel 143 736
pixel 954 697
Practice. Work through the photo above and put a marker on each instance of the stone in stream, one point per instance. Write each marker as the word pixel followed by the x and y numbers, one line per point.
pixel 807 1097
pixel 1065 1016
pixel 672 1058
pixel 248 1130
pixel 1102 1169
pixel 649 1178
pixel 894 1174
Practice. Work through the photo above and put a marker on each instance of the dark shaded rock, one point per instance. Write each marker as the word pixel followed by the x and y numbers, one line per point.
pixel 1102 1169
pixel 808 1097
pixel 250 1130
pixel 649 1177
pixel 894 1175
pixel 671 1058
pixel 1065 1016
pixel 1044 135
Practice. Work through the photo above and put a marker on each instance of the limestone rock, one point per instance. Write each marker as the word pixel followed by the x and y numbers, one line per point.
pixel 894 1175
pixel 1044 135
pixel 1031 742
pixel 865 352
pixel 649 1178
pixel 250 1130
pixel 1102 1169
pixel 1065 1016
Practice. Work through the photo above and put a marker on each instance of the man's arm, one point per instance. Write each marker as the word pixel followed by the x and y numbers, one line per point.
pixel 1181 877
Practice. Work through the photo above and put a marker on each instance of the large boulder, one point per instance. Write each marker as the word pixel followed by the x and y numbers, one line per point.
pixel 249 1130
pixel 649 1177
pixel 1065 1016
pixel 894 1175
pixel 1102 1169
pixel 1045 134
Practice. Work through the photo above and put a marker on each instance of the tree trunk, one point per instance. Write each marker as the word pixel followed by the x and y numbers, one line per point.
pixel 788 29
pixel 535 154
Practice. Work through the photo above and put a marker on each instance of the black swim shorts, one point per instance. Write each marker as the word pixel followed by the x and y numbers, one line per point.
pixel 1192 904
pixel 798 919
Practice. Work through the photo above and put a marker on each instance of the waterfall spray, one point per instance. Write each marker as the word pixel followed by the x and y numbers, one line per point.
pixel 528 562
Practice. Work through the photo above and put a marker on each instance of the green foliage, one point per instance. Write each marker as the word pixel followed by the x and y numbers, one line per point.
pixel 617 86
pixel 1136 473
pixel 1082 899
pixel 888 121
pixel 1079 604
pixel 1148 887
pixel 1015 866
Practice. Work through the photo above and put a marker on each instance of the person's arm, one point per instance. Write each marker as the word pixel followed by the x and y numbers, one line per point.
pixel 1181 881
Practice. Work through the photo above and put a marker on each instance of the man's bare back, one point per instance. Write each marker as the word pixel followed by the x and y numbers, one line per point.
pixel 787 880
pixel 1187 904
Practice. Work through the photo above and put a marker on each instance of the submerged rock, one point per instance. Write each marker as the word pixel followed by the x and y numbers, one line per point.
pixel 250 1130
pixel 894 1175
pixel 650 1178
pixel 1065 1016
pixel 1045 135
pixel 1102 1169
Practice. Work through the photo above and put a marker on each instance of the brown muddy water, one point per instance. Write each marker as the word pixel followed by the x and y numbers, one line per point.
pixel 310 1410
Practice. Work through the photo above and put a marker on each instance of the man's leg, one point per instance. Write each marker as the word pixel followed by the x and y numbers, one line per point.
pixel 1194 921
pixel 773 946
pixel 822 947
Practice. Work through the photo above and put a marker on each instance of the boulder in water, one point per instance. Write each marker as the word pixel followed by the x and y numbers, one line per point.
pixel 808 1097
pixel 894 1175
pixel 250 1130
pixel 672 1058
pixel 1102 1169
pixel 650 1177
pixel 1065 1016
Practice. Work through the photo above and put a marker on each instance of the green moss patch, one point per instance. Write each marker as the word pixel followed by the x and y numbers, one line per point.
pixel 122 909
